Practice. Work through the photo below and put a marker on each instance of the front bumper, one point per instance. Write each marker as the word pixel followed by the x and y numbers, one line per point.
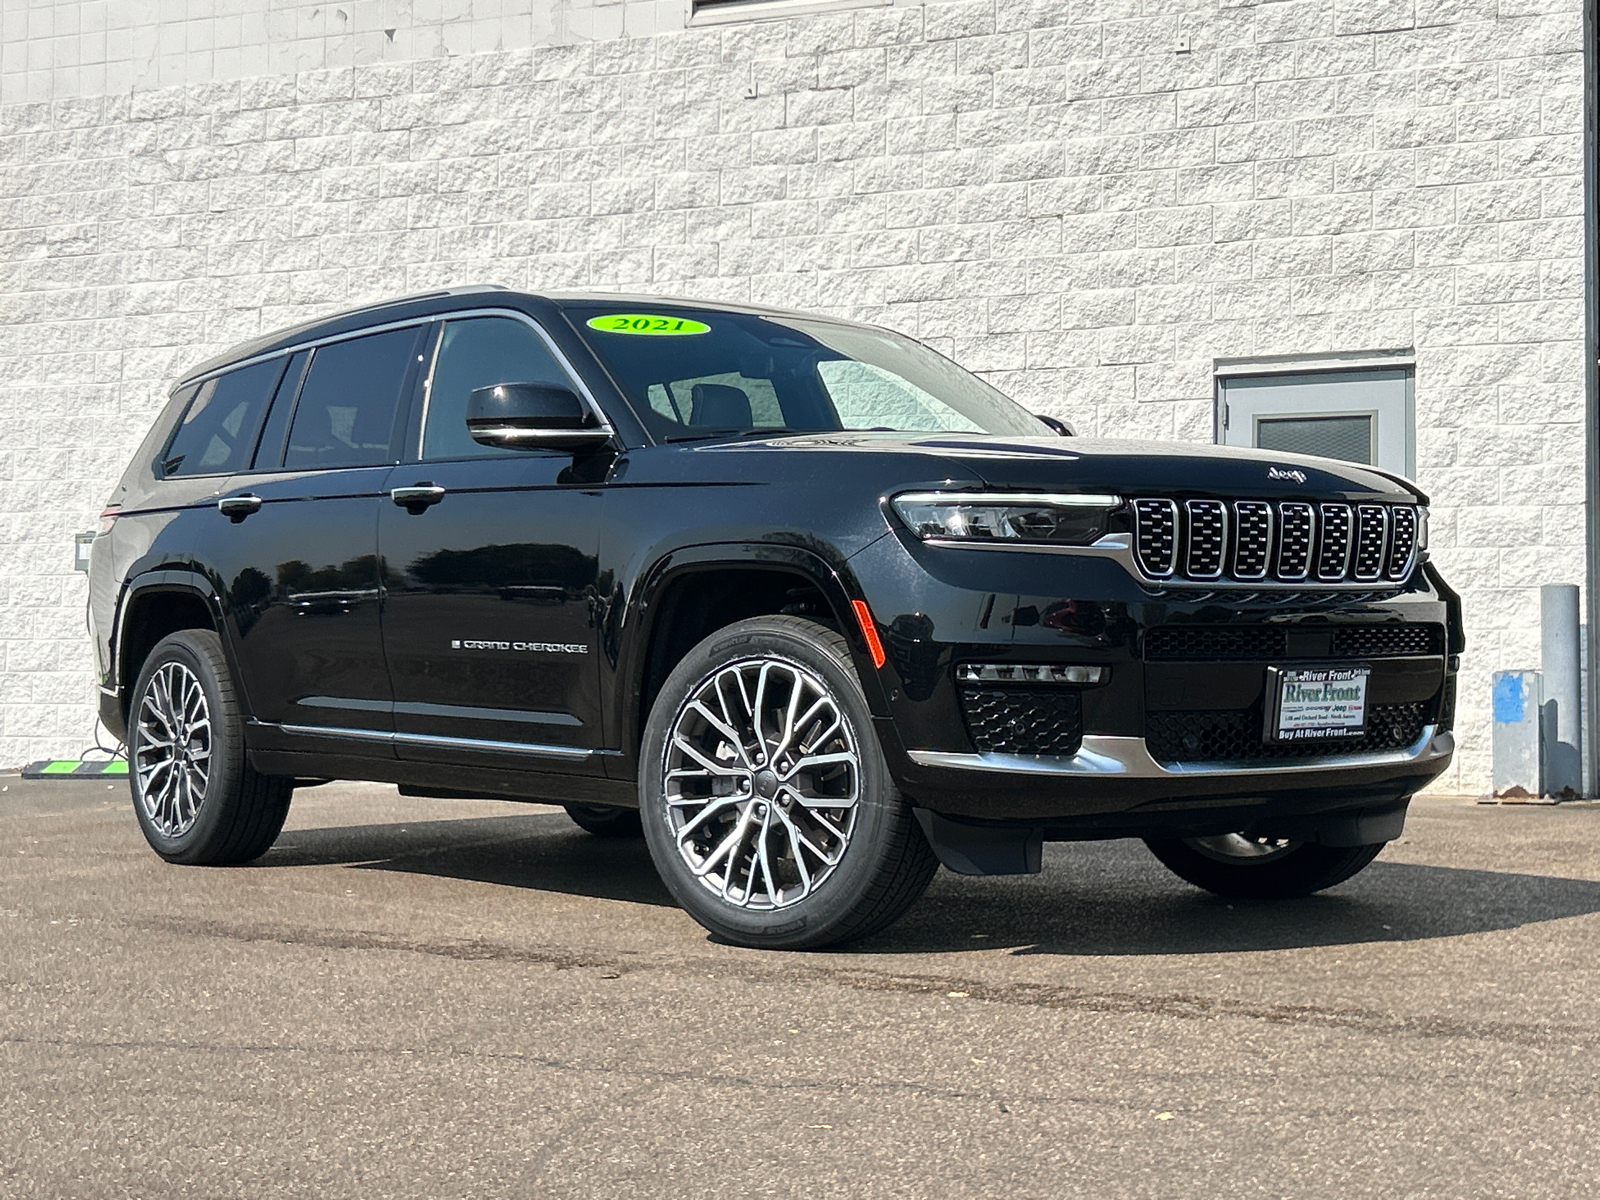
pixel 1104 757
pixel 1166 745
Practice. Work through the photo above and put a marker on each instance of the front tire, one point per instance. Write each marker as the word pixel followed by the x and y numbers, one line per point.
pixel 765 798
pixel 198 801
pixel 604 820
pixel 1247 868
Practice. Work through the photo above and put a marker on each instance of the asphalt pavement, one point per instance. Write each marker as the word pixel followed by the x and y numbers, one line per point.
pixel 469 999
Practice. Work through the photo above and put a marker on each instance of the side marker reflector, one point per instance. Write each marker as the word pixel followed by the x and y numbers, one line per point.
pixel 869 630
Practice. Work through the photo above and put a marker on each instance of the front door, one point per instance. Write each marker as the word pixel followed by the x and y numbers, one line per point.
pixel 489 561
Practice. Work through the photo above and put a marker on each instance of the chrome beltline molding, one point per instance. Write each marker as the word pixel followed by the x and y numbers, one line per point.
pixel 1128 758
pixel 434 741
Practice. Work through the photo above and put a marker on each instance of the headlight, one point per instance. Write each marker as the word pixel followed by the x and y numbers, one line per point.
pixel 1422 527
pixel 1065 519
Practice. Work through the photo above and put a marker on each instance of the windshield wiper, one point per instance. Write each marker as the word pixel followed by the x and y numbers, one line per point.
pixel 770 431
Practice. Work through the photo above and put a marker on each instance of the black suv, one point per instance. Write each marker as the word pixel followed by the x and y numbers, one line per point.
pixel 810 604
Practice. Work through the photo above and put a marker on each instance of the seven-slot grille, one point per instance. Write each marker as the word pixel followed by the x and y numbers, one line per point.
pixel 1288 541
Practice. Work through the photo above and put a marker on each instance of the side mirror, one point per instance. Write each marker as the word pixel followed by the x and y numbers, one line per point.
pixel 533 415
pixel 1062 428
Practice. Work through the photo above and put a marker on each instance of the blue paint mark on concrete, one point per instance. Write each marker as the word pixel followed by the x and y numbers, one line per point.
pixel 1510 698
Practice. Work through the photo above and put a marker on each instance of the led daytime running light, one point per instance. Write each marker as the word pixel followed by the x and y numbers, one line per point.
pixel 1027 518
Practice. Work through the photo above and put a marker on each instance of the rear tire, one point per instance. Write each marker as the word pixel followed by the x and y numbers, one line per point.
pixel 197 800
pixel 765 798
pixel 1238 867
pixel 605 821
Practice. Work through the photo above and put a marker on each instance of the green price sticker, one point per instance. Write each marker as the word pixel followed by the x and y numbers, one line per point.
pixel 647 325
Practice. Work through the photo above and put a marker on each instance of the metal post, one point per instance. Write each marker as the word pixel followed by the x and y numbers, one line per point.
pixel 1591 375
pixel 1559 729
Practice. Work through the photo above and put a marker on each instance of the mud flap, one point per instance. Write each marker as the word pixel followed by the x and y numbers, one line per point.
pixel 983 849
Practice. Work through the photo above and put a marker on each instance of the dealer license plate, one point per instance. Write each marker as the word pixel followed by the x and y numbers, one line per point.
pixel 1315 704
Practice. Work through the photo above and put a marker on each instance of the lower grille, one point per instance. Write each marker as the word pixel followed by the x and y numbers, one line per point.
pixel 1264 643
pixel 1223 734
pixel 1023 720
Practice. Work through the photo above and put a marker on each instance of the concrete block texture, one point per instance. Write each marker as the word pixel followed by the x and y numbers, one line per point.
pixel 1089 202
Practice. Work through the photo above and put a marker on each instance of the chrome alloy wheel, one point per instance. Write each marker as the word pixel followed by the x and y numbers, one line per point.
pixel 1236 848
pixel 763 783
pixel 173 756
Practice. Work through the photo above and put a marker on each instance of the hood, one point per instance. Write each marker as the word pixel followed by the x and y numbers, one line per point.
pixel 1125 467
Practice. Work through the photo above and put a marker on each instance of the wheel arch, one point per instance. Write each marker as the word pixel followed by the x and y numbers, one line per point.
pixel 689 594
pixel 153 606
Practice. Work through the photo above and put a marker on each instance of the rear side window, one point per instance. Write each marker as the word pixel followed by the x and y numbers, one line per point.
pixel 474 353
pixel 346 413
pixel 218 432
pixel 269 447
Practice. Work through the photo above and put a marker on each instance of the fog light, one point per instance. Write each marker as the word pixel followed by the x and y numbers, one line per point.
pixel 1028 673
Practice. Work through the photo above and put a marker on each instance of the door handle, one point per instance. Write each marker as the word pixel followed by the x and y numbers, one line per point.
pixel 237 508
pixel 418 498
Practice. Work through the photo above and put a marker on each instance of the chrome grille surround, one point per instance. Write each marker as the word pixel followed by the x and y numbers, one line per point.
pixel 1252 543
pixel 1372 539
pixel 1298 522
pixel 1333 550
pixel 1275 543
pixel 1403 544
pixel 1156 536
pixel 1208 538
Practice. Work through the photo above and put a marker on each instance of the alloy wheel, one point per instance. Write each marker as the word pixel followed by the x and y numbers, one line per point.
pixel 762 783
pixel 1237 848
pixel 173 755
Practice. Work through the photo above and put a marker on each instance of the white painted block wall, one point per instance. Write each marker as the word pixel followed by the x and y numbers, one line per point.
pixel 1047 190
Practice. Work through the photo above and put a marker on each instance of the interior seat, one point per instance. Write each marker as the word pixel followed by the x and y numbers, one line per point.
pixel 720 404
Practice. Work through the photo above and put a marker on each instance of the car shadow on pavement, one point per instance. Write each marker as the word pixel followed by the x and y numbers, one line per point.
pixel 1094 898
pixel 536 850
pixel 1115 899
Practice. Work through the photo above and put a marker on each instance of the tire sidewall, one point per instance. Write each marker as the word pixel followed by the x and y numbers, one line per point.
pixel 194 843
pixel 837 897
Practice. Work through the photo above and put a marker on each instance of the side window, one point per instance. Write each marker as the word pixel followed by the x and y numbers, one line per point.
pixel 269 448
pixel 473 353
pixel 346 413
pixel 866 395
pixel 218 433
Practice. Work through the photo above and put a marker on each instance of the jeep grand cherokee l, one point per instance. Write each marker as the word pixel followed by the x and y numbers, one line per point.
pixel 807 602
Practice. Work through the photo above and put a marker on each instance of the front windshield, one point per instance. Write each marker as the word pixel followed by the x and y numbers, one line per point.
pixel 696 373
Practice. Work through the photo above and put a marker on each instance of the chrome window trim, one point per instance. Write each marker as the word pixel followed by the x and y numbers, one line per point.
pixel 456 314
pixel 1129 758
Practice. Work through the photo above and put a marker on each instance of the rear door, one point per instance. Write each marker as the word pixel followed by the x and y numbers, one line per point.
pixel 296 560
pixel 491 579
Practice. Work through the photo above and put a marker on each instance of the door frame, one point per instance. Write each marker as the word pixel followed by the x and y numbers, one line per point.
pixel 1225 369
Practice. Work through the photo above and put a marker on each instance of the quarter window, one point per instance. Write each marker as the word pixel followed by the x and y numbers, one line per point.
pixel 218 433
pixel 474 353
pixel 346 413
